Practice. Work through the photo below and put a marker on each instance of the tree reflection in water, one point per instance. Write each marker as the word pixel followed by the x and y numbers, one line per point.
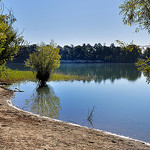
pixel 44 102
pixel 102 72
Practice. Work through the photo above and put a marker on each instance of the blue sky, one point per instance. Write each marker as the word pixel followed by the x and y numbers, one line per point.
pixel 73 22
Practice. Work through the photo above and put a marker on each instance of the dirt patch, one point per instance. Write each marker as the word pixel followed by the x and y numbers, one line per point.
pixel 21 130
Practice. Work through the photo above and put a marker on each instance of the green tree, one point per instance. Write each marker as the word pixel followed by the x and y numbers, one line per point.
pixel 147 52
pixel 45 60
pixel 9 38
pixel 136 12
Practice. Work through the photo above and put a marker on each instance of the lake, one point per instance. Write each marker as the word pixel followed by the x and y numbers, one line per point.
pixel 115 98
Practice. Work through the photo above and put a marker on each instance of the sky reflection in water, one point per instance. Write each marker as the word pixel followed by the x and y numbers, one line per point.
pixel 117 92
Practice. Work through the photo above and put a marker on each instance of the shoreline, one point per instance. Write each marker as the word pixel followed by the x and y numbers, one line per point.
pixel 66 135
pixel 73 124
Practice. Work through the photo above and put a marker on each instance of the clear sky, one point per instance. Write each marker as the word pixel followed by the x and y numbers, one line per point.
pixel 73 22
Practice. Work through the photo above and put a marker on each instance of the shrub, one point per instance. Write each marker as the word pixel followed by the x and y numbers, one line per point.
pixel 44 61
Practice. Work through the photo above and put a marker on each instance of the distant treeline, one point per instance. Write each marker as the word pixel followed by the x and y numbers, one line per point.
pixel 86 52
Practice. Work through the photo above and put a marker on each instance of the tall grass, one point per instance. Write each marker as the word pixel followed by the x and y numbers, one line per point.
pixel 12 76
pixel 60 77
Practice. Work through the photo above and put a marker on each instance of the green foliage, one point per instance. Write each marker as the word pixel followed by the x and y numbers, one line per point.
pixel 144 65
pixel 11 76
pixel 99 53
pixel 44 61
pixel 133 51
pixel 2 69
pixel 130 47
pixel 63 77
pixel 85 53
pixel 9 39
pixel 147 52
pixel 136 12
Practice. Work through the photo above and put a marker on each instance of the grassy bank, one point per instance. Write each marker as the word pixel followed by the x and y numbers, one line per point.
pixel 12 76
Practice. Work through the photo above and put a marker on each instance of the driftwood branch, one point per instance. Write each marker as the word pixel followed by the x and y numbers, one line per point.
pixel 3 84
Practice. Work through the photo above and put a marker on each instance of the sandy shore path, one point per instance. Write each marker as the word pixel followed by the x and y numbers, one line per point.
pixel 20 131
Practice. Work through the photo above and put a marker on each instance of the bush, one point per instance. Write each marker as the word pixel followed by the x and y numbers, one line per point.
pixel 44 61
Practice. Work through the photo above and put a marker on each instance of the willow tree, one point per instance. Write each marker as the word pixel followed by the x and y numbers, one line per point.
pixel 44 61
pixel 137 12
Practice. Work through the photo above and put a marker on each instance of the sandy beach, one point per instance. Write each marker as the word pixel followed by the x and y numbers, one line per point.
pixel 21 130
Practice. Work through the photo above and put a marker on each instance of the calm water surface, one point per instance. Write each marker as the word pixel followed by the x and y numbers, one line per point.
pixel 115 99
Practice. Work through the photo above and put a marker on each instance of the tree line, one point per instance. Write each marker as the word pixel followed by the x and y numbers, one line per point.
pixel 96 53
